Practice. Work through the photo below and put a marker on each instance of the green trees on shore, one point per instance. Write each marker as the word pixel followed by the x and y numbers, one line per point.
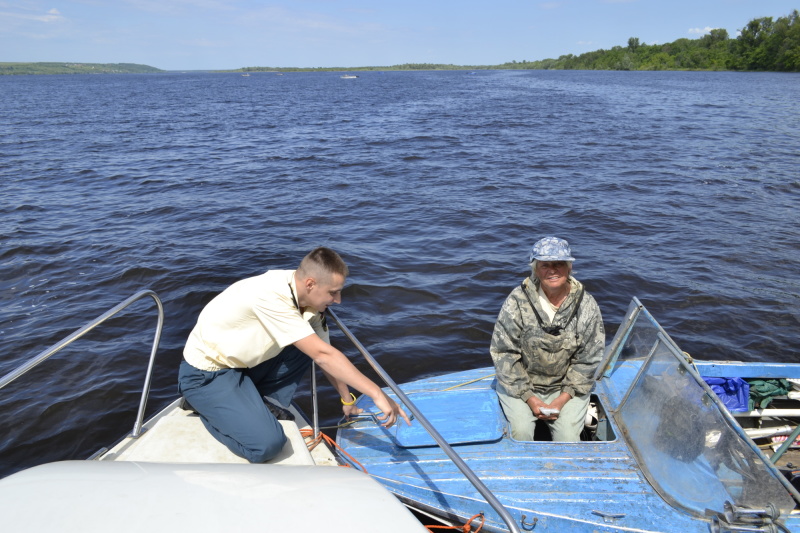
pixel 767 45
pixel 75 68
pixel 763 44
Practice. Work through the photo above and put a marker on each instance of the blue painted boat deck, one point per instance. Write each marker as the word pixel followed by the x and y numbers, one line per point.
pixel 583 486
pixel 680 460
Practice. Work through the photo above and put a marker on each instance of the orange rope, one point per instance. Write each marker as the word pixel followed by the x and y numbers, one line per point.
pixel 309 434
pixel 466 528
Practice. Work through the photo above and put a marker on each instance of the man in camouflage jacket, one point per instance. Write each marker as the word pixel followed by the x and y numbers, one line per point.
pixel 545 364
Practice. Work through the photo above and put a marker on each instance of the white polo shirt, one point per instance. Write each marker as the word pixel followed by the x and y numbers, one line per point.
pixel 250 322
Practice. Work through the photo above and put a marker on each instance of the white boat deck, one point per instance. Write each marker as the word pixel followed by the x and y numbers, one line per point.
pixel 176 477
pixel 178 436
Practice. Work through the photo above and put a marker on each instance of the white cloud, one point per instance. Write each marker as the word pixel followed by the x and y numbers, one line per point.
pixel 52 15
pixel 700 31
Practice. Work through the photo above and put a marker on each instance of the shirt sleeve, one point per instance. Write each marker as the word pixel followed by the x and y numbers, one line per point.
pixel 580 374
pixel 506 352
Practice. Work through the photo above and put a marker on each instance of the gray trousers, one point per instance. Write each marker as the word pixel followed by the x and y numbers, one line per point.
pixel 566 428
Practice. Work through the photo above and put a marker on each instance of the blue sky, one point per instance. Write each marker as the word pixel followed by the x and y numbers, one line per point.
pixel 227 34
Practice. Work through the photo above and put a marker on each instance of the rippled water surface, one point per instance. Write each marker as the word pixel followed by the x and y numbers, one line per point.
pixel 680 188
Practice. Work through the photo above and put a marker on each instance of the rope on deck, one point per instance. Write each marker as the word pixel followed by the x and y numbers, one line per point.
pixel 468 382
pixel 311 442
pixel 466 528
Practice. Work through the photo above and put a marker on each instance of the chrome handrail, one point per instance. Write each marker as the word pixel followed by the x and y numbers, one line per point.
pixel 77 334
pixel 466 470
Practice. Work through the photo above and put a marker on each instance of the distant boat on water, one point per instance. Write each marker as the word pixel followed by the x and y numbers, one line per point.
pixel 349 77
pixel 246 75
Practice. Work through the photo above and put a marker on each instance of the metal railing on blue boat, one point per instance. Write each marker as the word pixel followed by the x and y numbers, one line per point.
pixel 446 448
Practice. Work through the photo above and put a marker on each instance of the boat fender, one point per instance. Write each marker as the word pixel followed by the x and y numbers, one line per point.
pixel 590 422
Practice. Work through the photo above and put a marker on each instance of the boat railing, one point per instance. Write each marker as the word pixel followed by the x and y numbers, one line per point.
pixel 77 334
pixel 491 499
pixel 137 428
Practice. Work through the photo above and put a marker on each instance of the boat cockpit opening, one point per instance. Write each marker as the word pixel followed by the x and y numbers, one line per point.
pixel 597 426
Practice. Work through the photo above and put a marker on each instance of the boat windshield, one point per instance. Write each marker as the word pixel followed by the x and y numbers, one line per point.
pixel 693 453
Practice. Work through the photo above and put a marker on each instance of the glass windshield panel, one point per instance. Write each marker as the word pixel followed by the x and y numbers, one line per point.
pixel 687 448
pixel 641 339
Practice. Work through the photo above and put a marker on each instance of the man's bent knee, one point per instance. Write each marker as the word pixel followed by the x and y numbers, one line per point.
pixel 267 451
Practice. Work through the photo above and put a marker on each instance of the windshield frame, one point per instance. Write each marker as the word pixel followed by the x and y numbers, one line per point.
pixel 688 445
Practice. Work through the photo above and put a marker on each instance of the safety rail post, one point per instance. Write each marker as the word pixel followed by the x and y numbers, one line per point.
pixel 314 401
pixel 77 334
pixel 466 470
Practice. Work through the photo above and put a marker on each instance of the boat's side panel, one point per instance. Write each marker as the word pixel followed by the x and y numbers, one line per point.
pixel 744 370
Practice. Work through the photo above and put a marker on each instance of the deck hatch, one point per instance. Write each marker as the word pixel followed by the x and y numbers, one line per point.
pixel 460 416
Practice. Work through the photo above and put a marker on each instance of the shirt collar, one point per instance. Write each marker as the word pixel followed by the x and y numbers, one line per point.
pixel 304 311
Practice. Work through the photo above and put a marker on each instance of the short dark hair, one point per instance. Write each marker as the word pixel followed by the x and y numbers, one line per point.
pixel 320 261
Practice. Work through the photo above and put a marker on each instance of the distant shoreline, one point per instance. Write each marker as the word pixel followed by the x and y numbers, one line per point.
pixel 75 68
pixel 18 69
pixel 763 45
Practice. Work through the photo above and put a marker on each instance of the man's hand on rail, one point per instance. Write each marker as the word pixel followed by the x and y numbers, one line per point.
pixel 351 410
pixel 390 410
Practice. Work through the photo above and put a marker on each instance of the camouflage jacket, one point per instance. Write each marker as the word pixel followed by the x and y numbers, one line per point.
pixel 529 361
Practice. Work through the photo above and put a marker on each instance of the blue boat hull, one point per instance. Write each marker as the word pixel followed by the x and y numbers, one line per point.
pixel 584 486
pixel 603 484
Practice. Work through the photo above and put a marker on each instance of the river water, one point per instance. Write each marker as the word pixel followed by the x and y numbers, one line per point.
pixel 680 188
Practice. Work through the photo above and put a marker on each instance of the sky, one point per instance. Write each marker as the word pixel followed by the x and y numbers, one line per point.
pixel 230 34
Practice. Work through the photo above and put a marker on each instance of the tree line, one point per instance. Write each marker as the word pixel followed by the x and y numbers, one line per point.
pixel 762 45
pixel 75 68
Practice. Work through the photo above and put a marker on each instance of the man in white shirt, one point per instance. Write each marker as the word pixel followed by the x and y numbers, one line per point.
pixel 257 338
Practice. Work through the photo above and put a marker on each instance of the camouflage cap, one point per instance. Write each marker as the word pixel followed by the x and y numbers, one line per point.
pixel 551 249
